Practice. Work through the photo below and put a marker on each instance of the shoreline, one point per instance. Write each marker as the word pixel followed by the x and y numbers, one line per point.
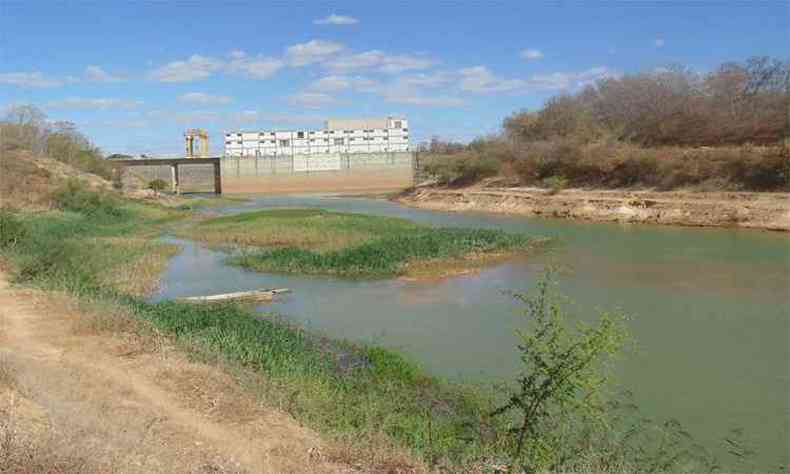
pixel 766 211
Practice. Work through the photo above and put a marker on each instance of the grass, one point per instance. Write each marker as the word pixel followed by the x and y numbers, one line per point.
pixel 374 405
pixel 219 201
pixel 312 241
pixel 380 404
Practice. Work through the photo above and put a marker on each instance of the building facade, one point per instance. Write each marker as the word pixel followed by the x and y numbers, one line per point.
pixel 338 136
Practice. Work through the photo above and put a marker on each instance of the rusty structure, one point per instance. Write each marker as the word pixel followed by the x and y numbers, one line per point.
pixel 190 137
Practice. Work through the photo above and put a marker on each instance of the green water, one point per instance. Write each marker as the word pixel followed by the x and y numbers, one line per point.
pixel 711 312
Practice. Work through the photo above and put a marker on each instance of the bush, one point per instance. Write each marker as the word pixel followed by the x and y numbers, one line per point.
pixel 157 185
pixel 12 229
pixel 564 377
pixel 463 168
pixel 555 184
pixel 74 196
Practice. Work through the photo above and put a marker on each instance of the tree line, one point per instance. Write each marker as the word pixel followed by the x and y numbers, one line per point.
pixel 667 128
pixel 26 129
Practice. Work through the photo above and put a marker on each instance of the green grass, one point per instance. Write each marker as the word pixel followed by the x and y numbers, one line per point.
pixel 312 241
pixel 219 201
pixel 381 401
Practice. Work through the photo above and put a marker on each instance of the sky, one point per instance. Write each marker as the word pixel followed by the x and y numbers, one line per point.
pixel 134 75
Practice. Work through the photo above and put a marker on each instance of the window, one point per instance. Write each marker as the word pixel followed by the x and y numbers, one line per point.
pixel 405 129
pixel 398 124
pixel 285 142
pixel 347 131
pixel 338 141
pixel 299 134
pixel 386 138
pixel 238 142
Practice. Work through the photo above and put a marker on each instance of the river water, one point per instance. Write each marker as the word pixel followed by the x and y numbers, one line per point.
pixel 710 307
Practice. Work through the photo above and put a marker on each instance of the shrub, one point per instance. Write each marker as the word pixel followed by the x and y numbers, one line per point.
pixel 463 168
pixel 74 196
pixel 12 229
pixel 564 376
pixel 157 186
pixel 555 184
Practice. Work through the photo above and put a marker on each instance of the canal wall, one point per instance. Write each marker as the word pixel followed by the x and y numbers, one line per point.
pixel 338 172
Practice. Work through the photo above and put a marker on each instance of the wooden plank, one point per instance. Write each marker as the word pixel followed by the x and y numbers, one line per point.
pixel 257 295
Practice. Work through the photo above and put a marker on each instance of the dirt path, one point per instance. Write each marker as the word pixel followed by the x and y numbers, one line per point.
pixel 74 398
pixel 719 209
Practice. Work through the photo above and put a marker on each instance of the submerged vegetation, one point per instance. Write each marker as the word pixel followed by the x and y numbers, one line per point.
pixel 312 241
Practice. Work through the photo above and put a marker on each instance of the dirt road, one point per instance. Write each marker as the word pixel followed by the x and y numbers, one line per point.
pixel 720 209
pixel 77 398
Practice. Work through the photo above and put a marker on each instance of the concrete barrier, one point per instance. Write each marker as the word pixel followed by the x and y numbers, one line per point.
pixel 357 172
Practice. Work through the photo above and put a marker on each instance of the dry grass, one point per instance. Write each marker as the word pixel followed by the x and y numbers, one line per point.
pixel 267 234
pixel 27 181
pixel 140 274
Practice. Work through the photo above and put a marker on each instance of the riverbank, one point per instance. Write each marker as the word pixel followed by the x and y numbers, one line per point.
pixel 770 211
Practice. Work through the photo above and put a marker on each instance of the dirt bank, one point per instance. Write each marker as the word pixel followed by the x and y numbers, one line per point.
pixel 75 397
pixel 720 209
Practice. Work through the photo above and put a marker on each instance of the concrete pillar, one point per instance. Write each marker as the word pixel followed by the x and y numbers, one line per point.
pixel 217 178
pixel 174 179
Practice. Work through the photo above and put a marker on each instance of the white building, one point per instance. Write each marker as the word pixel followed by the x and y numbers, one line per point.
pixel 338 136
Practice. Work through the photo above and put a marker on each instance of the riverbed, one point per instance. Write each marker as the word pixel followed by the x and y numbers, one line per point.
pixel 710 307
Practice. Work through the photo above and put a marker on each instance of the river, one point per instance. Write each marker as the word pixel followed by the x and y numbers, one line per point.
pixel 710 307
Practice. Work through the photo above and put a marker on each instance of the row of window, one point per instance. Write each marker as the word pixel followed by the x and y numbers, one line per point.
pixel 337 141
pixel 302 134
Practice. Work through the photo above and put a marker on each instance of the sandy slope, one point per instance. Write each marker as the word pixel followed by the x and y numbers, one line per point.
pixel 84 400
pixel 721 209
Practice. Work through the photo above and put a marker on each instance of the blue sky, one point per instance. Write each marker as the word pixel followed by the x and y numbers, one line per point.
pixel 134 75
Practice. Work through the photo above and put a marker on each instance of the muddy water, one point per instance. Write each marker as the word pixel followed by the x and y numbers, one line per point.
pixel 711 311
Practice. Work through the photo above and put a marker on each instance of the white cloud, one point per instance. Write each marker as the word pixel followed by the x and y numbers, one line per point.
pixel 195 68
pixel 416 89
pixel 311 52
pixel 379 60
pixel 530 54
pixel 421 100
pixel 94 103
pixel 254 116
pixel 97 74
pixel 659 42
pixel 193 118
pixel 260 67
pixel 237 54
pixel 202 98
pixel 336 20
pixel 427 80
pixel 312 99
pixel 338 83
pixel 481 80
pixel 29 79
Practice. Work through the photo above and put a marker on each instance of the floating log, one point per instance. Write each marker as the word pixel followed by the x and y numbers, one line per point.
pixel 257 295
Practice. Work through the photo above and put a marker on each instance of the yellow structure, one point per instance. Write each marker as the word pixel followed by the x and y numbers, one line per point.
pixel 189 141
